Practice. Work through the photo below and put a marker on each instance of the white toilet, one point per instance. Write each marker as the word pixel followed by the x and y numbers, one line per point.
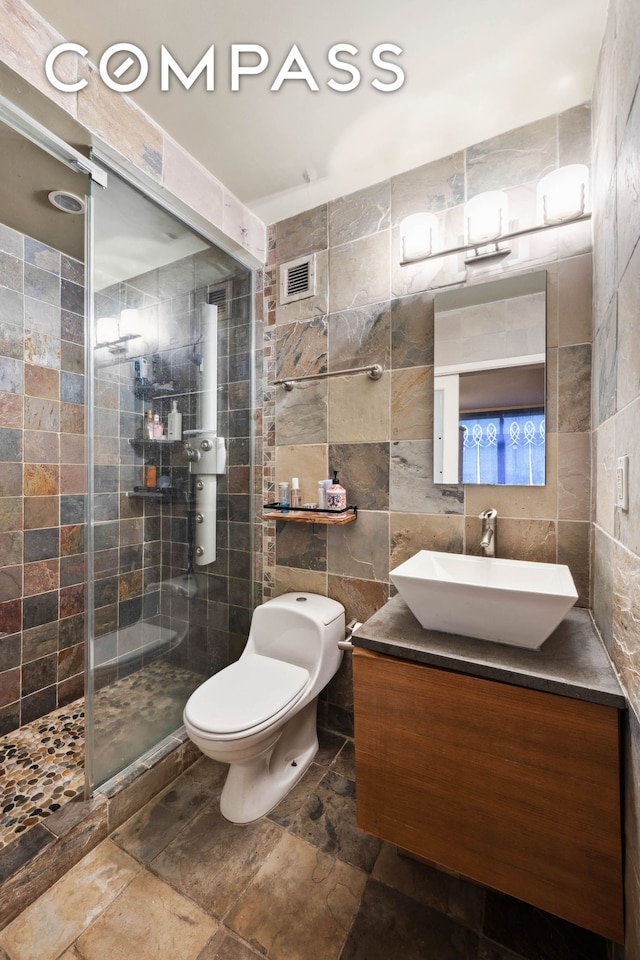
pixel 259 714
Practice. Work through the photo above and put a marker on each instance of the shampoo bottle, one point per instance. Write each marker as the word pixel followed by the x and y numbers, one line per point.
pixel 174 423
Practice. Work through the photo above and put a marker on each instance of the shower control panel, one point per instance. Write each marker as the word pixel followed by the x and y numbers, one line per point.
pixel 207 458
pixel 206 454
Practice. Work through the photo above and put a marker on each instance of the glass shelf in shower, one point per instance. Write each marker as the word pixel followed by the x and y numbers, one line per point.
pixel 156 442
pixel 159 494
pixel 153 391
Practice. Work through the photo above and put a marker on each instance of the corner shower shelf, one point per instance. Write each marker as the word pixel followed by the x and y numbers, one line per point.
pixel 161 494
pixel 156 442
pixel 273 511
pixel 153 391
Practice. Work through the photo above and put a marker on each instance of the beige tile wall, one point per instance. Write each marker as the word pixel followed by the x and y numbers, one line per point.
pixel 616 393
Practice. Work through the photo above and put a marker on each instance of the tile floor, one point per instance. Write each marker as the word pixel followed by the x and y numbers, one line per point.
pixel 177 881
pixel 41 768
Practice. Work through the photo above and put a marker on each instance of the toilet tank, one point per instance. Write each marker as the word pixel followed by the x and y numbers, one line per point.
pixel 301 628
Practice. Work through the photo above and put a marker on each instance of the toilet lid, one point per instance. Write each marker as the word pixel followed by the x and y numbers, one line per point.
pixel 245 694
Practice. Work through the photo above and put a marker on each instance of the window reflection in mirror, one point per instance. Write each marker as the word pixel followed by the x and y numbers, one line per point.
pixel 489 382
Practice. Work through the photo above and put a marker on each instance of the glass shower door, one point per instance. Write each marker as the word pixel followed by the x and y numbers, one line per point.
pixel 170 311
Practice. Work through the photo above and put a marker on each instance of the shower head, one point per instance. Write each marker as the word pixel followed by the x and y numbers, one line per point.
pixel 67 202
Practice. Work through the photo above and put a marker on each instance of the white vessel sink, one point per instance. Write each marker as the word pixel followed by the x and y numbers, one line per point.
pixel 518 602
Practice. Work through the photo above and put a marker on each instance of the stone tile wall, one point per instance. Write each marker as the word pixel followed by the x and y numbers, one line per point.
pixel 379 435
pixel 141 545
pixel 616 392
pixel 42 479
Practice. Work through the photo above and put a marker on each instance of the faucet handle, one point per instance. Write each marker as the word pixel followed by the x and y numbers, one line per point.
pixel 490 514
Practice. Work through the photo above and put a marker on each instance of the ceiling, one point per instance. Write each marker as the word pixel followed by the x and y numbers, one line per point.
pixel 472 70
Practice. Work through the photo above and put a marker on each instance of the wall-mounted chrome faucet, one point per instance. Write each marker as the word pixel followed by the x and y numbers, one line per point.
pixel 488 541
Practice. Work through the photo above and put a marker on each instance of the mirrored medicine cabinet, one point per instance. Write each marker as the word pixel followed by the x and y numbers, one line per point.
pixel 489 382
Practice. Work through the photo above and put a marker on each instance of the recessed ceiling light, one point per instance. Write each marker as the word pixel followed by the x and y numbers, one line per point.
pixel 66 201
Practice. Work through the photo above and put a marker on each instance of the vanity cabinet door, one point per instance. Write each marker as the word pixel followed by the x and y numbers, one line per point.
pixel 510 787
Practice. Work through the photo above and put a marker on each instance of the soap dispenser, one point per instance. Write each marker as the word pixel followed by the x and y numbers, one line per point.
pixel 336 495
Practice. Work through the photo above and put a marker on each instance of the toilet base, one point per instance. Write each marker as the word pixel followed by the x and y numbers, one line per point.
pixel 255 787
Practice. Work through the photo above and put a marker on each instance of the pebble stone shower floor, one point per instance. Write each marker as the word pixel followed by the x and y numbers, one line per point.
pixel 42 763
pixel 41 768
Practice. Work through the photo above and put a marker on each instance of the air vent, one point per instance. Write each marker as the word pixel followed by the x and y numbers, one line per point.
pixel 220 295
pixel 297 279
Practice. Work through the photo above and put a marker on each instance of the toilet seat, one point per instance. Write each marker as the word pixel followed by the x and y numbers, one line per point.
pixel 246 696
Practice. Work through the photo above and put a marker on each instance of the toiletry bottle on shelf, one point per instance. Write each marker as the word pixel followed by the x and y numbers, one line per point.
pixel 157 427
pixel 336 495
pixel 296 496
pixel 283 495
pixel 148 426
pixel 150 475
pixel 322 500
pixel 174 423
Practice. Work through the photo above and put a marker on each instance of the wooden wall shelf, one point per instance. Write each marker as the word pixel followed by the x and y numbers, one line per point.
pixel 271 511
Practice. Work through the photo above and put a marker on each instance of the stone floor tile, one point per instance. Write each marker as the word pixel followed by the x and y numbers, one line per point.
pixel 148 920
pixel 58 917
pixel 212 861
pixel 147 833
pixel 328 820
pixel 538 935
pixel 390 926
pixel 25 847
pixel 210 773
pixel 288 809
pixel 345 762
pixel 75 814
pixel 224 946
pixel 300 904
pixel 456 898
pixel 487 950
pixel 330 745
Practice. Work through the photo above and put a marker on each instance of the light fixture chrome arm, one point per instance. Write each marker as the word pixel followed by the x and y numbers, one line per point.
pixel 465 248
pixel 374 371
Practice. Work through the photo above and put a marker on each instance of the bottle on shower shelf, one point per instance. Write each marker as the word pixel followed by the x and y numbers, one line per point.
pixel 174 423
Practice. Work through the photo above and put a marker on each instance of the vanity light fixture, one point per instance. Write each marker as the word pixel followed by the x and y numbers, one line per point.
pixel 113 332
pixel 418 236
pixel 562 194
pixel 486 217
pixel 486 220
pixel 561 199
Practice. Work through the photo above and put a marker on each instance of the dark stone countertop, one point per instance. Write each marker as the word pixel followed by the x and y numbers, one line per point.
pixel 572 662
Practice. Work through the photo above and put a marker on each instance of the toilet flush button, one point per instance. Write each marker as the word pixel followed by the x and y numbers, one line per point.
pixel 301 599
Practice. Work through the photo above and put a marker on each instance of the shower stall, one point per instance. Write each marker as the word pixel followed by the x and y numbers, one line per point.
pixel 126 575
pixel 169 542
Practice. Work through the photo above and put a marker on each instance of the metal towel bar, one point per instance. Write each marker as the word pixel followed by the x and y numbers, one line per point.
pixel 373 370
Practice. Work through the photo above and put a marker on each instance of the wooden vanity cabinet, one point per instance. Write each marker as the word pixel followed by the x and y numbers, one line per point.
pixel 511 787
